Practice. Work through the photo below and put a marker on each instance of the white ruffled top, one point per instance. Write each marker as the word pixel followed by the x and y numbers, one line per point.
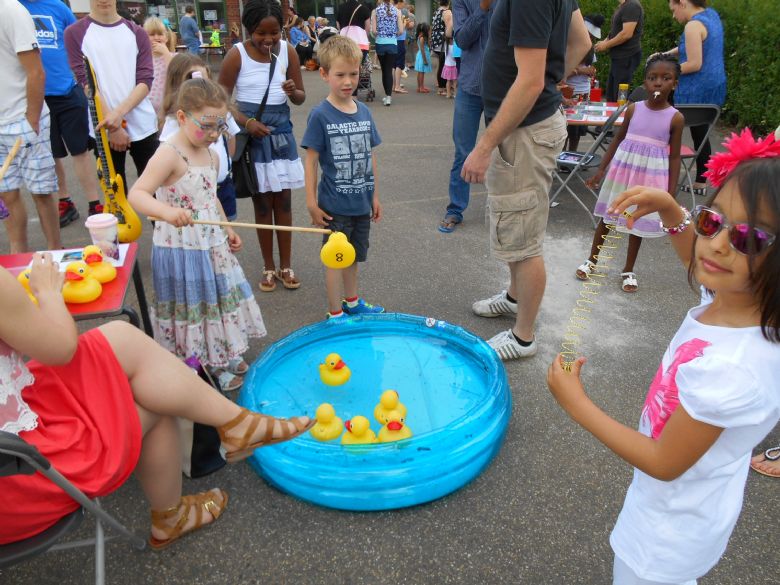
pixel 15 415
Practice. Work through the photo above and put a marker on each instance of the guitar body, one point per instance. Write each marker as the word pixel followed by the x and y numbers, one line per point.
pixel 112 185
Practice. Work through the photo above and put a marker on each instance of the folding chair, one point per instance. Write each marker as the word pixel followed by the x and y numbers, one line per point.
pixel 576 162
pixel 696 115
pixel 19 457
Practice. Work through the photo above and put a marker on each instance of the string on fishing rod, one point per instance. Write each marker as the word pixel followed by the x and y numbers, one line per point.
pixel 580 314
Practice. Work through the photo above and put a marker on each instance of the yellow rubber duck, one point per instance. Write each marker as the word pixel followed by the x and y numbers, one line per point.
pixel 102 271
pixel 358 432
pixel 337 251
pixel 395 429
pixel 334 372
pixel 328 426
pixel 79 286
pixel 389 401
pixel 24 279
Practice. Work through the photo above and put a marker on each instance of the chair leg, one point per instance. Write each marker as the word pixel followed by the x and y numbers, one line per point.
pixel 100 554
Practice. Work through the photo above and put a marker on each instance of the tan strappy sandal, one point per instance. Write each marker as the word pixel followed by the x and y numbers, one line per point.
pixel 202 503
pixel 242 448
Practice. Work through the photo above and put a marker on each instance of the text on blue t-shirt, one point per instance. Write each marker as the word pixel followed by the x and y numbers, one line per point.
pixel 51 18
pixel 344 143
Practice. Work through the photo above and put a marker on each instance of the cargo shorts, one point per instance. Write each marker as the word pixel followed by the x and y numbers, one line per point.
pixel 518 181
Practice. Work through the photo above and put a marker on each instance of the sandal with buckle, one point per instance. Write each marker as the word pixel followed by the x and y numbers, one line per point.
pixel 202 503
pixel 585 269
pixel 227 380
pixel 630 283
pixel 237 366
pixel 241 447
pixel 287 277
pixel 268 282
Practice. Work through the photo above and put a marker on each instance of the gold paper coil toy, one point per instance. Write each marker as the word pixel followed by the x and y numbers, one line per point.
pixel 580 315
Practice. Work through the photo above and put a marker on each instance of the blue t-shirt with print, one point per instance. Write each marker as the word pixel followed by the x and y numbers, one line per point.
pixel 51 18
pixel 344 142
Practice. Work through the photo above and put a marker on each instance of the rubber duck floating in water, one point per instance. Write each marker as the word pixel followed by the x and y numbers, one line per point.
pixel 80 286
pixel 337 251
pixel 328 426
pixel 395 429
pixel 334 372
pixel 102 271
pixel 24 279
pixel 358 432
pixel 389 401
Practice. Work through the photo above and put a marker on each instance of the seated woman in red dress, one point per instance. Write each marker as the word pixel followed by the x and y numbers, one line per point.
pixel 102 405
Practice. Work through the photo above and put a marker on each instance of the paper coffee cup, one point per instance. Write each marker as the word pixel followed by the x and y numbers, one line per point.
pixel 103 229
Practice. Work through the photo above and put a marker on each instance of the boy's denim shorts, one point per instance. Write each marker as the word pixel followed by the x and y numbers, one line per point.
pixel 355 227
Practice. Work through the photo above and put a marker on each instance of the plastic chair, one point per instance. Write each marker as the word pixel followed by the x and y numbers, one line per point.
pixel 696 115
pixel 19 457
pixel 576 162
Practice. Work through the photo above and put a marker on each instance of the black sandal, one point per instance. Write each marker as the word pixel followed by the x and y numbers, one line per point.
pixel 697 191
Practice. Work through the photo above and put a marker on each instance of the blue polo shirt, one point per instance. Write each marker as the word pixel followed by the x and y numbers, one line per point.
pixel 51 18
pixel 344 142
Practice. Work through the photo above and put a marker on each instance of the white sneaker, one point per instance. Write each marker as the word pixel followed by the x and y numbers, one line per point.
pixel 494 306
pixel 507 348
pixel 387 100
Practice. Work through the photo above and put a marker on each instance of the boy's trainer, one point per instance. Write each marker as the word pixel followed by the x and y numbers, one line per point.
pixel 360 307
pixel 494 306
pixel 507 347
pixel 68 212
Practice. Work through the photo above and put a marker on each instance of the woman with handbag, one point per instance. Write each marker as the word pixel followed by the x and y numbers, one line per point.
pixel 265 71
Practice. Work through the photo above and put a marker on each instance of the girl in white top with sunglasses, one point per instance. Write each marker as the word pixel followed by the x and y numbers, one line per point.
pixel 717 393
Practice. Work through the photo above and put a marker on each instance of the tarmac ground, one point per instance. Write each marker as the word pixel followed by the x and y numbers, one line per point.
pixel 542 512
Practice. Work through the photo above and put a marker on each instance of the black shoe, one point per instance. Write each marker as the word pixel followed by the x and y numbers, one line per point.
pixel 68 212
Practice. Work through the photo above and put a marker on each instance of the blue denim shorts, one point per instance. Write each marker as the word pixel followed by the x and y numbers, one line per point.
pixel 355 227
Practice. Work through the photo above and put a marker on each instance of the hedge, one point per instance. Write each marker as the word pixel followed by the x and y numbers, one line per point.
pixel 752 47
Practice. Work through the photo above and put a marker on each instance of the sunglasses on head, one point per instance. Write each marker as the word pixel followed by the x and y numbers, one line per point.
pixel 743 237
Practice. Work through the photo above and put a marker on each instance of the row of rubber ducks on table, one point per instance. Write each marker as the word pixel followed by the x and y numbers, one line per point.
pixel 390 413
pixel 84 279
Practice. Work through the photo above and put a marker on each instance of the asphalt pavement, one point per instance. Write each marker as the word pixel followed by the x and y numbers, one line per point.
pixel 542 512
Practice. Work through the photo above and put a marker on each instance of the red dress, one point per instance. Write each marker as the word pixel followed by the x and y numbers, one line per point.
pixel 89 429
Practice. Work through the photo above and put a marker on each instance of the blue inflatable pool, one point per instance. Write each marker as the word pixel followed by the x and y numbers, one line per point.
pixel 453 385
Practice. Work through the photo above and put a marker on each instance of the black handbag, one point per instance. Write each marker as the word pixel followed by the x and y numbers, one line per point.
pixel 243 169
pixel 200 443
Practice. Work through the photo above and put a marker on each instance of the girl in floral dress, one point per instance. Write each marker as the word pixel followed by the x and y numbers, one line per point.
pixel 203 304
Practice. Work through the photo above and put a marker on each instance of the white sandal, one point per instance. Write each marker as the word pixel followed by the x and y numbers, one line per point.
pixel 228 382
pixel 237 366
pixel 585 269
pixel 629 280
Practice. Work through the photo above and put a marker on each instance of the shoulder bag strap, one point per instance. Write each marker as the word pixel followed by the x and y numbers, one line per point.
pixel 261 109
pixel 354 13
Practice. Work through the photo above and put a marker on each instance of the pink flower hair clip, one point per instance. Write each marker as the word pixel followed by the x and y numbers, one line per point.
pixel 739 148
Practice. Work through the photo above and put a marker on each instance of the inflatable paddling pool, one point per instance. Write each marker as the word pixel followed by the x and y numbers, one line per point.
pixel 453 385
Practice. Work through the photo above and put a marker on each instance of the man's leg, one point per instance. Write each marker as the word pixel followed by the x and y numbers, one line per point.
pixel 141 151
pixel 527 283
pixel 465 127
pixel 16 223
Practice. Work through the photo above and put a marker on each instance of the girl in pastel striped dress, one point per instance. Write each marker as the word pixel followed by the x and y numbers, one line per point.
pixel 646 151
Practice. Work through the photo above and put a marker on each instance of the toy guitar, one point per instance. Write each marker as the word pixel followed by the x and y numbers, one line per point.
pixel 110 182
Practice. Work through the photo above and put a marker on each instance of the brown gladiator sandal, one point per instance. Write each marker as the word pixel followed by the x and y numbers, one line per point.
pixel 242 448
pixel 199 503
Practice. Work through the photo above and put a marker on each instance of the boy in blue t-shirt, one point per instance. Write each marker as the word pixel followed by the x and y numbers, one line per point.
pixel 340 137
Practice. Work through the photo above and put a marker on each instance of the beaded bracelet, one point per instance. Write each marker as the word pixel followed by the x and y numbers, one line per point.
pixel 680 227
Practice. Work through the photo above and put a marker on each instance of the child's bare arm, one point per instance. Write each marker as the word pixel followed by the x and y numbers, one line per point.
pixel 682 442
pixel 376 206
pixel 649 200
pixel 157 173
pixel 675 141
pixel 318 216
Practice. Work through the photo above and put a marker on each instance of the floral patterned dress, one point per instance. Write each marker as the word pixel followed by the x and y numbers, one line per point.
pixel 203 304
